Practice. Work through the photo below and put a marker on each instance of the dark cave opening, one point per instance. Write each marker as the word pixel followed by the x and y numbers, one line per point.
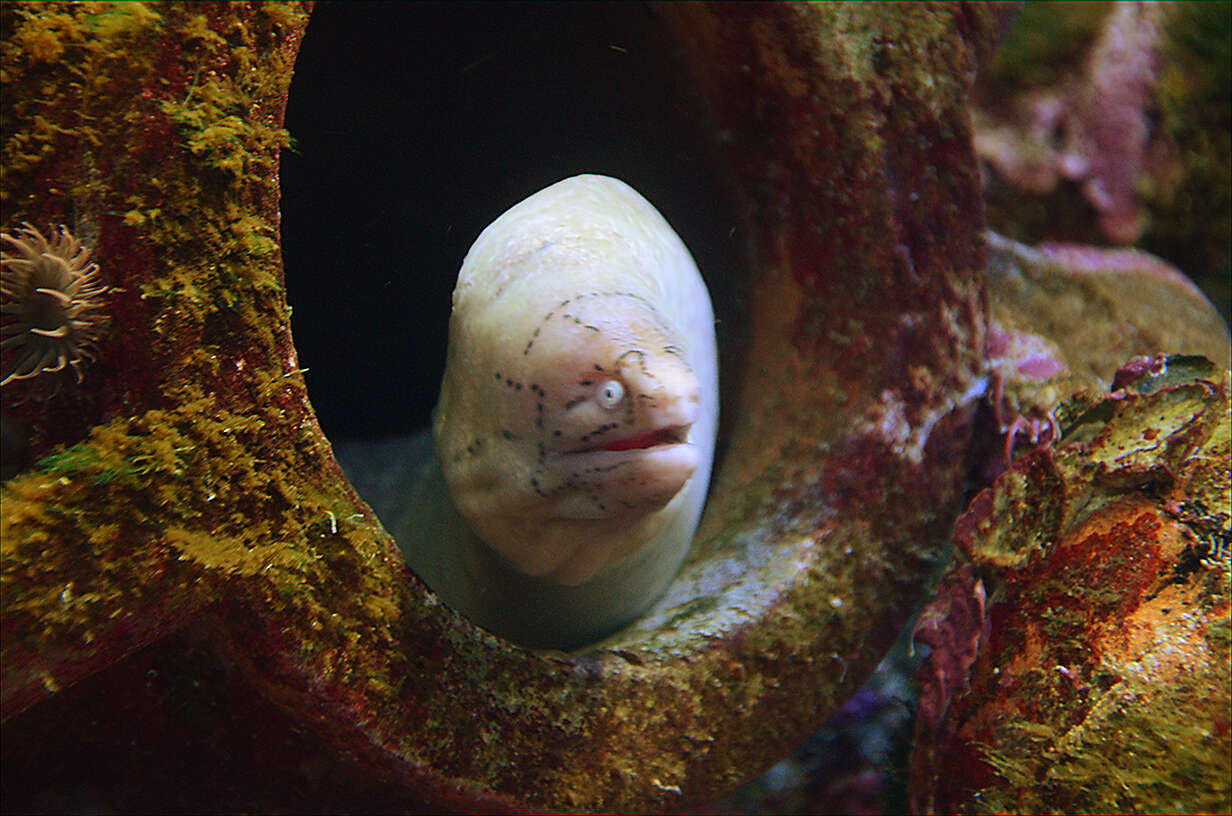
pixel 415 125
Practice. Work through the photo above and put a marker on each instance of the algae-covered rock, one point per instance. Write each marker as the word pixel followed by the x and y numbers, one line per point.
pixel 196 602
pixel 179 536
pixel 1080 655
pixel 153 133
pixel 1062 319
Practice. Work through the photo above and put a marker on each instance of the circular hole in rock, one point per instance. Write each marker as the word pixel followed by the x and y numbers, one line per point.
pixel 416 125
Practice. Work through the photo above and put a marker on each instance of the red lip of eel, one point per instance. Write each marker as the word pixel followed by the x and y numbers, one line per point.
pixel 671 435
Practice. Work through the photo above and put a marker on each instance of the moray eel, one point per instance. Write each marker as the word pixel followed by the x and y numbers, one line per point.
pixel 576 423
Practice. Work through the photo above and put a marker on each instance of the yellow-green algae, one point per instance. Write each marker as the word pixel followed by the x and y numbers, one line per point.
pixel 1134 754
pixel 70 71
pixel 191 174
pixel 1047 40
pixel 1122 303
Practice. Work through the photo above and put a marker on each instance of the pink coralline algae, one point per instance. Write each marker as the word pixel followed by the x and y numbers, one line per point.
pixel 1138 369
pixel 1095 130
pixel 953 626
pixel 1081 259
pixel 200 537
pixel 1109 131
pixel 1018 354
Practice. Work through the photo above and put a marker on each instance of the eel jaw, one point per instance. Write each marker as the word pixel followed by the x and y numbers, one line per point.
pixel 630 477
pixel 654 438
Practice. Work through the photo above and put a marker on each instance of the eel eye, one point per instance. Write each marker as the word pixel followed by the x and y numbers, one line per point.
pixel 610 394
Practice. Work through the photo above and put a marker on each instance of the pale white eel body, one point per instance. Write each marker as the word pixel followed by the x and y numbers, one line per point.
pixel 576 423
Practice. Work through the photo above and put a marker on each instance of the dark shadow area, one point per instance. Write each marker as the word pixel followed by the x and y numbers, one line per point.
pixel 172 729
pixel 416 124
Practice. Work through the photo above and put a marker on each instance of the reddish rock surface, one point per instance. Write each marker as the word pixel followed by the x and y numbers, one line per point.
pixel 1102 677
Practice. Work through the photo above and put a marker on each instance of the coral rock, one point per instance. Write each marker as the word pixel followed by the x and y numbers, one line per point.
pixel 1102 679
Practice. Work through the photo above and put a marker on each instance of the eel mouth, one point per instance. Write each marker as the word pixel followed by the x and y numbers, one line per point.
pixel 670 435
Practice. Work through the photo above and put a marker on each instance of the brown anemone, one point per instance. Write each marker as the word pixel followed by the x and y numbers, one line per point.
pixel 53 303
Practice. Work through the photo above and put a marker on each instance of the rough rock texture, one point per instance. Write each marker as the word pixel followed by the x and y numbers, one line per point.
pixel 1102 677
pixel 154 133
pixel 1063 317
pixel 180 538
pixel 1078 566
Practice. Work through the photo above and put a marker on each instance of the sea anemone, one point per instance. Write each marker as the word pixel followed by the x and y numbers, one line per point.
pixel 52 304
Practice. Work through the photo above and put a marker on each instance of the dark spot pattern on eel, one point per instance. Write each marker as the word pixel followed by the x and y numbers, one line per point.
pixel 552 312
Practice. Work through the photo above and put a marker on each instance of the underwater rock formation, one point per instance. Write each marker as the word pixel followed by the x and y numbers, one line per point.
pixel 1062 319
pixel 1080 652
pixel 183 508
pixel 185 568
pixel 1079 648
pixel 181 537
